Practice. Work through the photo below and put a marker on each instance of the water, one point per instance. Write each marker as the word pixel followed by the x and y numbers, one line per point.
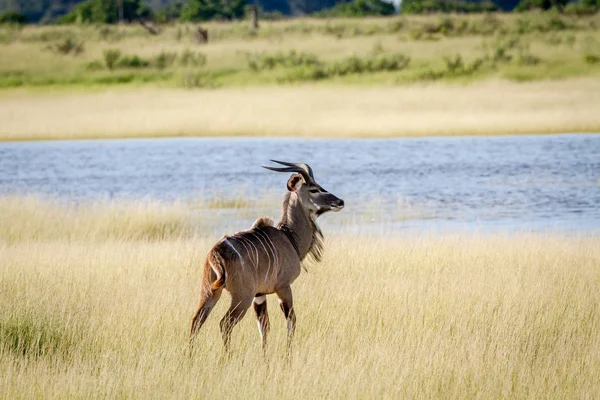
pixel 544 182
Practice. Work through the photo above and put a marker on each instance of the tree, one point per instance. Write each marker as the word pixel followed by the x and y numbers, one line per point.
pixel 525 5
pixel 13 17
pixel 168 13
pixel 204 10
pixel 360 8
pixel 106 12
pixel 445 6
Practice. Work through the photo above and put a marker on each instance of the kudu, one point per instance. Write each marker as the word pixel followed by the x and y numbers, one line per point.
pixel 266 259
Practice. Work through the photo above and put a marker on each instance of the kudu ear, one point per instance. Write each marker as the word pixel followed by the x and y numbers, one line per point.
pixel 294 182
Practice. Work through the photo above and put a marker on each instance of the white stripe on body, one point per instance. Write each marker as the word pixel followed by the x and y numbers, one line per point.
pixel 236 251
pixel 269 265
pixel 271 248
pixel 255 249
pixel 246 251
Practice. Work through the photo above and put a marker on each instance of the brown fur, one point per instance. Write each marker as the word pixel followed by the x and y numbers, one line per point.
pixel 262 222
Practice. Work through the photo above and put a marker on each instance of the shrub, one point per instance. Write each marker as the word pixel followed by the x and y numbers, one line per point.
pixel 524 57
pixel 396 26
pixel 12 17
pixel 591 58
pixel 197 79
pixel 190 58
pixel 455 67
pixel 132 61
pixel 526 5
pixel 358 8
pixel 95 66
pixel 164 59
pixel 378 63
pixel 546 22
pixel 105 12
pixel 581 9
pixel 111 57
pixel 501 50
pixel 348 66
pixel 108 33
pixel 433 6
pixel 259 62
pixel 67 46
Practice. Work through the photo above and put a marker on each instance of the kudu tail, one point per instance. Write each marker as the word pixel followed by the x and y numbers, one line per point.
pixel 213 281
pixel 217 264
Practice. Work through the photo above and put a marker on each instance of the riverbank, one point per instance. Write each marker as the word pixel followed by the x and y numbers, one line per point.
pixel 309 111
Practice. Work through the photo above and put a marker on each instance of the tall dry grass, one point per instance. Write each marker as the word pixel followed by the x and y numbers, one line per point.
pixel 489 108
pixel 428 316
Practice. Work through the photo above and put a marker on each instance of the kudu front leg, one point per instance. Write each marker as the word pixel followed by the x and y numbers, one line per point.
pixel 286 303
pixel 262 318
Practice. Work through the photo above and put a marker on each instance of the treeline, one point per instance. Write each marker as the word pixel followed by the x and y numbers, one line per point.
pixel 164 11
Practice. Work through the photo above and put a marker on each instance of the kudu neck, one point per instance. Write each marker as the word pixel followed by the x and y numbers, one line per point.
pixel 296 218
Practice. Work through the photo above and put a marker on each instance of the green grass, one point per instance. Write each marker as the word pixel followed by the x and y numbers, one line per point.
pixel 29 57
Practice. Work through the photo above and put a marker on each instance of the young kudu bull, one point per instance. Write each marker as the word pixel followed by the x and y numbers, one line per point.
pixel 266 259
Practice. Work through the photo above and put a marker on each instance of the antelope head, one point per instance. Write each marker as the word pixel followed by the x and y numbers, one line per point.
pixel 310 194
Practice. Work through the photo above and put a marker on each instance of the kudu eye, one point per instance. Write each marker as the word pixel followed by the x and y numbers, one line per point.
pixel 314 190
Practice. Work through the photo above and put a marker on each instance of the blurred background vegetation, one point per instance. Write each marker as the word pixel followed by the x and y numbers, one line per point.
pixel 213 43
pixel 162 11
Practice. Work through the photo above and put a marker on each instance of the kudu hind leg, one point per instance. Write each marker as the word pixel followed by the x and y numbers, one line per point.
pixel 262 317
pixel 207 302
pixel 236 312
pixel 286 303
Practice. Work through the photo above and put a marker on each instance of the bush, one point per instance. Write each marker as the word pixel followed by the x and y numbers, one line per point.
pixel 524 56
pixel 164 59
pixel 105 12
pixel 432 6
pixel 454 26
pixel 591 58
pixel 527 5
pixel 132 61
pixel 189 58
pixel 197 79
pixel 581 9
pixel 12 17
pixel 111 57
pixel 259 62
pixel 358 65
pixel 455 67
pixel 202 10
pixel 348 66
pixel 95 66
pixel 67 46
pixel 546 22
pixel 169 13
pixel 358 8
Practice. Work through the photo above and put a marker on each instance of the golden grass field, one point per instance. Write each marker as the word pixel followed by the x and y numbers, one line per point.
pixel 310 111
pixel 92 309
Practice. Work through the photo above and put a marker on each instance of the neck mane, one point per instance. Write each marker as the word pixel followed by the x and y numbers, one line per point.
pixel 301 228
